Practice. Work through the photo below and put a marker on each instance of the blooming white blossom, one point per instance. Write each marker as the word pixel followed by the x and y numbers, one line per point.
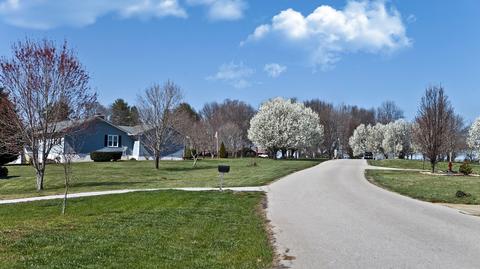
pixel 283 124
pixel 375 138
pixel 473 139
pixel 358 141
pixel 397 137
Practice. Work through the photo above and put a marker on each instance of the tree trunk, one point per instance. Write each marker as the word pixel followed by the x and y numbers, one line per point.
pixel 157 162
pixel 195 158
pixel 64 207
pixel 40 175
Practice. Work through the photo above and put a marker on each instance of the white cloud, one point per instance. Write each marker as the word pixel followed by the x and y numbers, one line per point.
pixel 151 8
pixel 274 70
pixel 47 14
pixel 411 18
pixel 237 75
pixel 327 33
pixel 223 9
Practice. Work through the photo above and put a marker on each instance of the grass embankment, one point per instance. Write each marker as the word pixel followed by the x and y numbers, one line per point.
pixel 141 174
pixel 166 229
pixel 431 188
pixel 418 164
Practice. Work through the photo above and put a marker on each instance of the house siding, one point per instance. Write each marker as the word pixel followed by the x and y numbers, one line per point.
pixel 92 138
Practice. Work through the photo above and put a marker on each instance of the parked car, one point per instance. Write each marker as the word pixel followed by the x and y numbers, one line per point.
pixel 263 155
pixel 368 156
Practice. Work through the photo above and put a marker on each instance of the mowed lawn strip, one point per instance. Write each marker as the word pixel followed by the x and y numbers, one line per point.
pixel 426 187
pixel 92 176
pixel 418 164
pixel 164 229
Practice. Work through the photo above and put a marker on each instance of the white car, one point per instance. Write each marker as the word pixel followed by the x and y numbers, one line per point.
pixel 263 155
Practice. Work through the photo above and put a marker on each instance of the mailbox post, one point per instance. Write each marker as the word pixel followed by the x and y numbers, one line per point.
pixel 222 169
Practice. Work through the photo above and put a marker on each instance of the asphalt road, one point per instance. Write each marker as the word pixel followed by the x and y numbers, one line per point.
pixel 330 216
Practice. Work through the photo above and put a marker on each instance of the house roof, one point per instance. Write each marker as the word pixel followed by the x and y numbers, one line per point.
pixel 68 124
pixel 132 130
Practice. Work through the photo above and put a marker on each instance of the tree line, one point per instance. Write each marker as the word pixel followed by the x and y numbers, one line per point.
pixel 44 85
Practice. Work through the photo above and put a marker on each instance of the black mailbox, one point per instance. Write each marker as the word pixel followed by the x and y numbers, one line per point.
pixel 223 168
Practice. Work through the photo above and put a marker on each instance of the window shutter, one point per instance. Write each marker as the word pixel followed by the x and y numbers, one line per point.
pixel 119 141
pixel 106 141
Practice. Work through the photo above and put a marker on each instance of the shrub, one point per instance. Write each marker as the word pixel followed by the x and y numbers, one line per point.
pixel 465 168
pixel 188 153
pixel 3 172
pixel 7 158
pixel 100 156
pixel 223 151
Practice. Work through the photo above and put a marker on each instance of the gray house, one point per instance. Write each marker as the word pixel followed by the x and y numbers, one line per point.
pixel 98 134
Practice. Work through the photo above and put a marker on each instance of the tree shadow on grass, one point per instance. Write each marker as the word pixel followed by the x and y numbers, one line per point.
pixel 111 183
pixel 8 178
pixel 185 169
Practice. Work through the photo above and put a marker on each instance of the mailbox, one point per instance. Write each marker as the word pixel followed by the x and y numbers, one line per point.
pixel 223 168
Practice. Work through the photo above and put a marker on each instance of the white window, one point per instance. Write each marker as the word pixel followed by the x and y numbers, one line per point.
pixel 112 141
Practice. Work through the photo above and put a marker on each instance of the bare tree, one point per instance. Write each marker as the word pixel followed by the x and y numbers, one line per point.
pixel 190 126
pixel 156 112
pixel 216 115
pixel 327 114
pixel 432 124
pixel 456 136
pixel 388 112
pixel 37 78
pixel 232 137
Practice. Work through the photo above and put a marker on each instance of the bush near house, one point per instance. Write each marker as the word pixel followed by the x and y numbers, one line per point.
pixel 98 156
pixel 3 172
pixel 4 159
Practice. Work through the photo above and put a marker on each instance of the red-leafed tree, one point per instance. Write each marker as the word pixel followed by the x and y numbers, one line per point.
pixel 41 80
pixel 10 143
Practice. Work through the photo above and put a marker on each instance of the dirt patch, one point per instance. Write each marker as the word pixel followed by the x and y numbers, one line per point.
pixel 277 256
pixel 448 174
pixel 473 210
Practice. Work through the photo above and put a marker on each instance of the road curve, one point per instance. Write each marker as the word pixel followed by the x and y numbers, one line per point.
pixel 330 216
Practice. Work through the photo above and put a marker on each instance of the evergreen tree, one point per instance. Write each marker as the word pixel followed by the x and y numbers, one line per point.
pixel 223 151
pixel 123 114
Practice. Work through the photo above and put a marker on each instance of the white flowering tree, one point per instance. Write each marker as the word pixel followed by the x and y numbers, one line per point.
pixel 473 139
pixel 375 138
pixel 281 124
pixel 397 138
pixel 359 140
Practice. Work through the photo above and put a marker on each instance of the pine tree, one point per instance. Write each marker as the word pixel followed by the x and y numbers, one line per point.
pixel 223 151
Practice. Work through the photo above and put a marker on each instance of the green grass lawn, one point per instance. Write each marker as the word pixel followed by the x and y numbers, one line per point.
pixel 164 229
pixel 418 164
pixel 141 174
pixel 428 187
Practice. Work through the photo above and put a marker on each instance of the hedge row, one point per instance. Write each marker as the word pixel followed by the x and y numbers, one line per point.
pixel 98 156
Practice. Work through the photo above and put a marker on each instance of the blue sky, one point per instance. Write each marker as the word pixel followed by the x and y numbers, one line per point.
pixel 355 52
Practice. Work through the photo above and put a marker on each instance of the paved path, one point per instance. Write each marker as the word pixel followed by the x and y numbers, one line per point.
pixel 97 193
pixel 329 216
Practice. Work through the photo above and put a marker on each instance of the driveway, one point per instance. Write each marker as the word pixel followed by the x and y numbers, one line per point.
pixel 329 216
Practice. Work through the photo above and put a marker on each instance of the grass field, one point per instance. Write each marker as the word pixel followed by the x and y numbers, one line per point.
pixel 141 174
pixel 429 188
pixel 417 164
pixel 166 229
